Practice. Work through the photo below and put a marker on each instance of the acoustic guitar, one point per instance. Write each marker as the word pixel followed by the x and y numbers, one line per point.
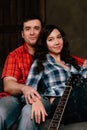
pixel 55 122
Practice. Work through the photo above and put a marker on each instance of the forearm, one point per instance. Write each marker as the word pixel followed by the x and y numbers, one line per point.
pixel 12 87
pixel 85 63
pixel 38 111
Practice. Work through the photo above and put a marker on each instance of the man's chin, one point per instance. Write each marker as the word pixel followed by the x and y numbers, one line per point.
pixel 33 43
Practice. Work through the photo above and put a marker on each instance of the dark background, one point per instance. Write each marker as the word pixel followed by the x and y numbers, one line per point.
pixel 71 15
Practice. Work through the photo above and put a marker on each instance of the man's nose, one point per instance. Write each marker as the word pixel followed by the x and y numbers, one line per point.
pixel 32 31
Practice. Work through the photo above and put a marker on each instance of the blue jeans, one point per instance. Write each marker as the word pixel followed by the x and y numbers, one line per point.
pixel 10 109
pixel 25 122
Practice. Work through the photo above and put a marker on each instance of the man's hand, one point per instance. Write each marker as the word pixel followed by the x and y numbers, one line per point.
pixel 38 111
pixel 30 94
pixel 12 87
pixel 85 63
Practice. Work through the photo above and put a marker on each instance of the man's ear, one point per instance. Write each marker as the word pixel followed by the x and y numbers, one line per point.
pixel 85 63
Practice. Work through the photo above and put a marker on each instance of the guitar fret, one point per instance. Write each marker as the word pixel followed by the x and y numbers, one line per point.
pixel 59 111
pixel 63 99
pixel 57 116
pixel 55 121
pixel 65 95
pixel 61 105
pixel 54 125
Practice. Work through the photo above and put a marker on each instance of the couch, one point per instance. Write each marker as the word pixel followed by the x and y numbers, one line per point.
pixel 74 126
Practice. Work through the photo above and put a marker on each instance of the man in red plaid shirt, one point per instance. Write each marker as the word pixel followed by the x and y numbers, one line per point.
pixel 15 72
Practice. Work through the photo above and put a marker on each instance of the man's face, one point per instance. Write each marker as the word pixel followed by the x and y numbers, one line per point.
pixel 31 31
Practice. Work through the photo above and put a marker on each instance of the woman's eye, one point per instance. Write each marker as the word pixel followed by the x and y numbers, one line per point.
pixel 59 36
pixel 50 39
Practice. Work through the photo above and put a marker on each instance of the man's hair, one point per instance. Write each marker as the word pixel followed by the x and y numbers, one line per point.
pixel 31 17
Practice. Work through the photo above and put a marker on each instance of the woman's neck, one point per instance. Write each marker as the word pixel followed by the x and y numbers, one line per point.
pixel 56 57
pixel 59 61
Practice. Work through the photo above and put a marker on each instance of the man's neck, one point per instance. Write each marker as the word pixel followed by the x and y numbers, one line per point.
pixel 30 49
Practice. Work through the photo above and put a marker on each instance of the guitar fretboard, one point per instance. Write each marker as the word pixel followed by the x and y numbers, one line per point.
pixel 55 122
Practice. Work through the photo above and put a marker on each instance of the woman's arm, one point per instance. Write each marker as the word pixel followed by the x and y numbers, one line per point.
pixel 38 111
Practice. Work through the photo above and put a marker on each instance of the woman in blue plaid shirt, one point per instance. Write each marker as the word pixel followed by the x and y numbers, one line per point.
pixel 52 66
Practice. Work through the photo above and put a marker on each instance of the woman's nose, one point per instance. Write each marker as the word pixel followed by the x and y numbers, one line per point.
pixel 56 41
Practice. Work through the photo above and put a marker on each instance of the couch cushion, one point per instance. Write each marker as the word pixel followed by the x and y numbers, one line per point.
pixel 74 126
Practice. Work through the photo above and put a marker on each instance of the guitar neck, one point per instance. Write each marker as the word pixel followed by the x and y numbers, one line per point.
pixel 55 122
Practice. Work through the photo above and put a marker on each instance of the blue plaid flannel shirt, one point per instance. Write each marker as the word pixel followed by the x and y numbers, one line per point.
pixel 53 77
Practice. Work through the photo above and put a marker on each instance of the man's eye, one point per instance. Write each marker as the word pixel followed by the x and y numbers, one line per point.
pixel 37 28
pixel 27 29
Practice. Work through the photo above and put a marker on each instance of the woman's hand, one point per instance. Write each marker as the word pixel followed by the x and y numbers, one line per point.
pixel 38 111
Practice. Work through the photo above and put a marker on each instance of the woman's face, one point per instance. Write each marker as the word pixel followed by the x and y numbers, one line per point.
pixel 54 42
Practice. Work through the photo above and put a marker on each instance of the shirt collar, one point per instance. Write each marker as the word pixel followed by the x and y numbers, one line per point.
pixel 26 48
pixel 50 58
pixel 52 61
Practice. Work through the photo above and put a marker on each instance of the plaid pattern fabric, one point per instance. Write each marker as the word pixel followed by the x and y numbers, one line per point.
pixel 18 64
pixel 53 77
pixel 4 94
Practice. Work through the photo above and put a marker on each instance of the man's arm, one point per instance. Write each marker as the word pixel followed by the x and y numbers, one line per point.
pixel 81 61
pixel 12 87
pixel 85 63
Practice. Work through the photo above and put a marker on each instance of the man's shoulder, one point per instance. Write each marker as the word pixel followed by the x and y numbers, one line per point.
pixel 17 51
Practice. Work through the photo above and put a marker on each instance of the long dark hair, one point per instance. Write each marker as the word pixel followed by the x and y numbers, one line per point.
pixel 41 48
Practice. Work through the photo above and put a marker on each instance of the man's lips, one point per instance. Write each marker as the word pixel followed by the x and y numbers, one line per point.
pixel 32 38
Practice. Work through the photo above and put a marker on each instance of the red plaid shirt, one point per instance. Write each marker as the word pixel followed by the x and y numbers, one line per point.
pixel 79 60
pixel 18 64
